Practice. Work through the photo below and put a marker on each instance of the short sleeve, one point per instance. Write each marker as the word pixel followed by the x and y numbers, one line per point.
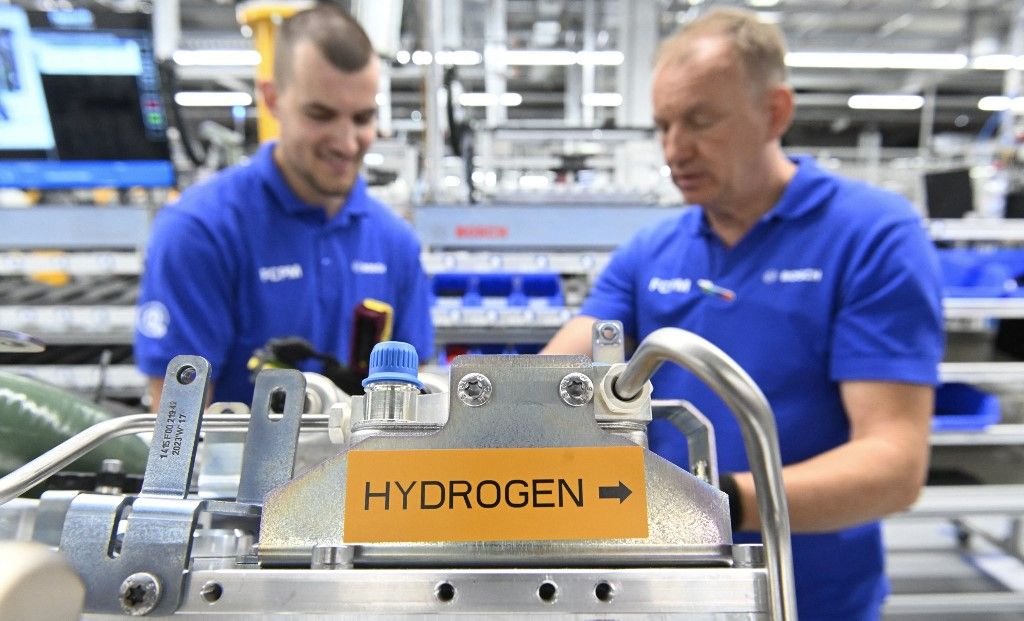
pixel 613 296
pixel 889 325
pixel 185 297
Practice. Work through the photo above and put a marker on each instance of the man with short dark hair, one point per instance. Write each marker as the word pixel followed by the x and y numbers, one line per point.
pixel 290 244
pixel 824 289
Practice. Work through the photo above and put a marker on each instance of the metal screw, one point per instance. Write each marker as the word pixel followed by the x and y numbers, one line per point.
pixel 474 389
pixel 139 594
pixel 608 331
pixel 113 466
pixel 187 374
pixel 576 389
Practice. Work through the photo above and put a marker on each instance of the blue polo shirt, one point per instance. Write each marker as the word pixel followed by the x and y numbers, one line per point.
pixel 241 259
pixel 838 281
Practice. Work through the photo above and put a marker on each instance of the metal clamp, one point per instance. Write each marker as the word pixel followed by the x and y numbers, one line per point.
pixel 158 524
pixel 269 456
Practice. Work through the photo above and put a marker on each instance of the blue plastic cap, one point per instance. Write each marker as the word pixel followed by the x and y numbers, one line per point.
pixel 394 361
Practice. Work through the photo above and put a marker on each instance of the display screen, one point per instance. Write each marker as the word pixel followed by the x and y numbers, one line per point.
pixel 80 102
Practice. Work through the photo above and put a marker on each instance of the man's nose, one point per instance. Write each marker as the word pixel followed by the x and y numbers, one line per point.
pixel 677 144
pixel 345 138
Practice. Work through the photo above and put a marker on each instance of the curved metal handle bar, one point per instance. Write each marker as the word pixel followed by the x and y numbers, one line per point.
pixel 760 437
pixel 50 462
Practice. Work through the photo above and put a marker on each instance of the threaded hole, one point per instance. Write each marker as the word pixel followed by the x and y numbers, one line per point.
pixel 604 591
pixel 548 592
pixel 211 592
pixel 444 592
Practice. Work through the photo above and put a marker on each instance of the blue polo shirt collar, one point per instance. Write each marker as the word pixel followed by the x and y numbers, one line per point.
pixel 808 190
pixel 289 202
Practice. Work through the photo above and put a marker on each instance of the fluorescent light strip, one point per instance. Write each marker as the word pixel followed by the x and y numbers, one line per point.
pixel 539 57
pixel 609 58
pixel 608 100
pixel 459 57
pixel 998 103
pixel 998 62
pixel 490 99
pixel 212 99
pixel 422 57
pixel 886 102
pixel 602 57
pixel 217 58
pixel 876 60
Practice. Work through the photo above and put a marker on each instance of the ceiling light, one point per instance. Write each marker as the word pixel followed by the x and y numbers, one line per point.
pixel 539 57
pixel 212 98
pixel 604 57
pixel 422 57
pixel 762 3
pixel 459 57
pixel 876 60
pixel 490 99
pixel 373 159
pixel 885 102
pixel 998 62
pixel 998 103
pixel 403 57
pixel 216 58
pixel 608 100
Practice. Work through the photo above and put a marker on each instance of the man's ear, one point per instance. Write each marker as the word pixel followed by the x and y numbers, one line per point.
pixel 268 90
pixel 781 106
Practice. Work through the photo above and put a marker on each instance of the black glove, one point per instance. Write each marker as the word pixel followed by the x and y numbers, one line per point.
pixel 727 483
pixel 292 351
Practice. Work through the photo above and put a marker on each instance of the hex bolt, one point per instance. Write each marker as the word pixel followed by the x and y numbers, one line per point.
pixel 474 389
pixel 139 594
pixel 608 331
pixel 576 389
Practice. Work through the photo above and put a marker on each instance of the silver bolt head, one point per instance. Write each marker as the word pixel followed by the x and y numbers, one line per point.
pixel 576 389
pixel 474 389
pixel 608 331
pixel 139 594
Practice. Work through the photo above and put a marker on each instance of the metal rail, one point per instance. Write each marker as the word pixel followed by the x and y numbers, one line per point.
pixel 751 409
pixel 50 462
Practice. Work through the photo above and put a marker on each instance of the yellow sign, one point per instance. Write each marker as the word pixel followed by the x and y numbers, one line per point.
pixel 515 494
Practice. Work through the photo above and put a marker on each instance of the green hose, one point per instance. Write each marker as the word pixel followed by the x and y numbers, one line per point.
pixel 35 417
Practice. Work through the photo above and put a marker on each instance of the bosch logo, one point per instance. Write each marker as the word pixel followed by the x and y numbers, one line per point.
pixel 481 231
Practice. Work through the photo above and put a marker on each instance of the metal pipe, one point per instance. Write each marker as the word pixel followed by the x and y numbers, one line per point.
pixel 50 462
pixel 760 437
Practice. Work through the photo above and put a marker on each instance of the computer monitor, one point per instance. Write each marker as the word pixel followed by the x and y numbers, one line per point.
pixel 949 194
pixel 80 102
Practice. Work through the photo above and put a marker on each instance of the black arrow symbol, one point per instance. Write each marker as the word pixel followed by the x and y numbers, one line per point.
pixel 620 491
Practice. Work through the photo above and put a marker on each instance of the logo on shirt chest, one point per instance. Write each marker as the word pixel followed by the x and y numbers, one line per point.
pixel 665 286
pixel 804 274
pixel 369 267
pixel 277 273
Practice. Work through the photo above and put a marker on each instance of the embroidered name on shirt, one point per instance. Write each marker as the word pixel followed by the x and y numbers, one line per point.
pixel 366 267
pixel 807 274
pixel 664 286
pixel 277 273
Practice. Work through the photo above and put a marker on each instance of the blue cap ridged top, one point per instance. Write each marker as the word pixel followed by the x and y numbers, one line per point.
pixel 394 361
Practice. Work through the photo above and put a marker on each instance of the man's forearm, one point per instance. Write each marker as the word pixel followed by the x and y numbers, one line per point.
pixel 857 482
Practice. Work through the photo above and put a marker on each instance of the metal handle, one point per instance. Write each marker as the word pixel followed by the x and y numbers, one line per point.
pixel 760 437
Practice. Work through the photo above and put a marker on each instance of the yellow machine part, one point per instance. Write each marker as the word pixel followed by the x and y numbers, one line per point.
pixel 263 18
